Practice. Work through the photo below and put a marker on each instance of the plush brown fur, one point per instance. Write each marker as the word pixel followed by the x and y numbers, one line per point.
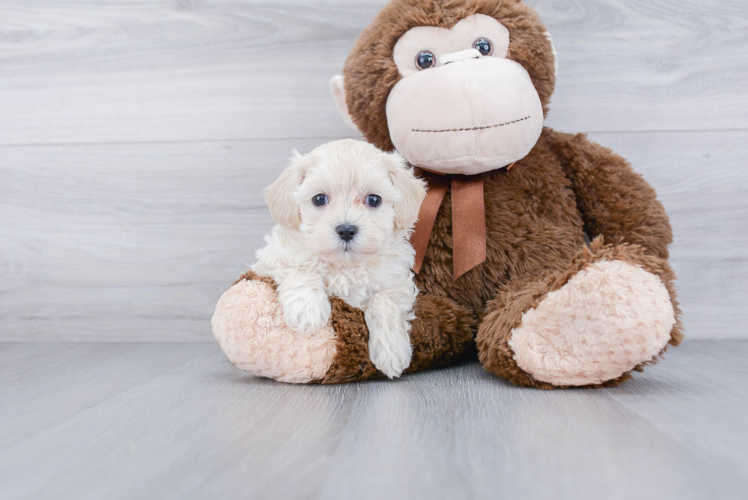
pixel 532 224
pixel 441 334
pixel 614 201
pixel 251 275
pixel 537 213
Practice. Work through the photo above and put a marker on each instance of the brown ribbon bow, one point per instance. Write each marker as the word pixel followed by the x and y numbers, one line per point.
pixel 468 220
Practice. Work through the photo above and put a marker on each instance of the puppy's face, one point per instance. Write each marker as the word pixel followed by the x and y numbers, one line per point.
pixel 347 198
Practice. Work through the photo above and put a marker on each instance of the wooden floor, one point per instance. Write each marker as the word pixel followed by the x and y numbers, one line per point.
pixel 176 420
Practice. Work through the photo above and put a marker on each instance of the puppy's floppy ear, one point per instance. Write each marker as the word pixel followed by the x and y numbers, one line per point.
pixel 279 194
pixel 411 188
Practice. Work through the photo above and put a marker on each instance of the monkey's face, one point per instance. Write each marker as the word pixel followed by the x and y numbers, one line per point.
pixel 461 106
pixel 439 81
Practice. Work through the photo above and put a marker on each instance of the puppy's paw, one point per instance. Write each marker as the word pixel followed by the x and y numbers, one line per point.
pixel 305 311
pixel 390 351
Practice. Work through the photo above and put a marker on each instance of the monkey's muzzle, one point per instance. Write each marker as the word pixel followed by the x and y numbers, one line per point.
pixel 469 116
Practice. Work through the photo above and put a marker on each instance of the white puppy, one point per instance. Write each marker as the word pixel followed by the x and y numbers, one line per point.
pixel 345 212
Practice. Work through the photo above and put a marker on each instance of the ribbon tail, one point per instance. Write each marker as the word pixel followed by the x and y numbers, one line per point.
pixel 468 223
pixel 437 189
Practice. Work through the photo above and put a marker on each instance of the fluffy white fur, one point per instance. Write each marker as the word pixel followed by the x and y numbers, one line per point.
pixel 310 262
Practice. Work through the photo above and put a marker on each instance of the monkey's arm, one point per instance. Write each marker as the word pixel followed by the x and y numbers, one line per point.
pixel 615 201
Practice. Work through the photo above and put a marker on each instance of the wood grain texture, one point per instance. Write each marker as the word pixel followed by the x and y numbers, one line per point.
pixel 648 64
pixel 193 426
pixel 135 139
pixel 121 241
pixel 94 372
pixel 156 70
pixel 138 241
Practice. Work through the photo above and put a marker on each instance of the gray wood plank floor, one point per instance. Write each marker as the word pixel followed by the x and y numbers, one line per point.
pixel 176 420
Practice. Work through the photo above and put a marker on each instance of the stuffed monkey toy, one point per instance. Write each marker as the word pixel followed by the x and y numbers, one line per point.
pixel 542 251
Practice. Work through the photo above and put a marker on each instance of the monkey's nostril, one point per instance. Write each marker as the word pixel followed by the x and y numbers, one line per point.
pixel 346 231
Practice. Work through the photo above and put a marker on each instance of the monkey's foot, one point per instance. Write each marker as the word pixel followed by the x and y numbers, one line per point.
pixel 606 320
pixel 591 325
pixel 248 324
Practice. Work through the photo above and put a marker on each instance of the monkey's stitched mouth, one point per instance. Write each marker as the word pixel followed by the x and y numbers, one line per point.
pixel 474 128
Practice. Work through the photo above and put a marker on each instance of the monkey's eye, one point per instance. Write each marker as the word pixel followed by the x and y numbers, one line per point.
pixel 484 46
pixel 373 200
pixel 320 200
pixel 425 60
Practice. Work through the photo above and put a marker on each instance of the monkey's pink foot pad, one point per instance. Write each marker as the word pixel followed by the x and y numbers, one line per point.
pixel 248 324
pixel 609 318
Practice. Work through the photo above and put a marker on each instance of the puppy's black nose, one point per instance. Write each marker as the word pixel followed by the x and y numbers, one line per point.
pixel 346 231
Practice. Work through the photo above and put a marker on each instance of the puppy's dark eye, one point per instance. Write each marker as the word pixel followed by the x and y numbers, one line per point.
pixel 484 46
pixel 320 200
pixel 425 60
pixel 373 200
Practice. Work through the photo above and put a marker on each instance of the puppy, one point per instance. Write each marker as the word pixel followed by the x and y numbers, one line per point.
pixel 345 212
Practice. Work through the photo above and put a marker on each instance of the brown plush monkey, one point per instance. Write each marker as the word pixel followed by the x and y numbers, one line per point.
pixel 461 88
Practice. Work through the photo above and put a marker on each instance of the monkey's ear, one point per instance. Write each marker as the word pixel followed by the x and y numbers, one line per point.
pixel 555 55
pixel 337 89
pixel 411 189
pixel 279 194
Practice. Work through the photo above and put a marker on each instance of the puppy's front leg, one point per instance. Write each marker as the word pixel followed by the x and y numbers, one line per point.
pixel 306 307
pixel 387 317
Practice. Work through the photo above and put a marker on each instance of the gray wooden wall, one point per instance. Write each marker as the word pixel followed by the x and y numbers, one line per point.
pixel 136 136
